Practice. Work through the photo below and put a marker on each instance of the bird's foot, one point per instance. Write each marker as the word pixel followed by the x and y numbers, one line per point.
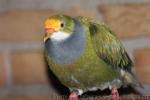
pixel 114 93
pixel 73 96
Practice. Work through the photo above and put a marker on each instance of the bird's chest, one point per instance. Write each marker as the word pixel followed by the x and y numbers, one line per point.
pixel 67 52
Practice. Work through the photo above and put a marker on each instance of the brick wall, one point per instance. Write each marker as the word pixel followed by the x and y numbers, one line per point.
pixel 23 71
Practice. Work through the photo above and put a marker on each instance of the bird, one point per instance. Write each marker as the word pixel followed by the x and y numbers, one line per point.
pixel 86 55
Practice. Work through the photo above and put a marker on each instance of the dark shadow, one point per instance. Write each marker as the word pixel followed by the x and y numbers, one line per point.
pixel 53 80
pixel 107 92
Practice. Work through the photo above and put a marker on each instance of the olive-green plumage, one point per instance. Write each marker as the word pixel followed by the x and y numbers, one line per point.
pixel 104 61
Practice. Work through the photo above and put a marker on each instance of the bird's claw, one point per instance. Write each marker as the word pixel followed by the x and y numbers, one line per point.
pixel 115 94
pixel 73 96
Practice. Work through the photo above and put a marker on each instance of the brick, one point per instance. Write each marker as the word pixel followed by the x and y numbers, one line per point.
pixel 2 71
pixel 29 67
pixel 142 63
pixel 127 20
pixel 23 25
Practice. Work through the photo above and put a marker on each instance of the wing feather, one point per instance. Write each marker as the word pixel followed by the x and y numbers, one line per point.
pixel 108 47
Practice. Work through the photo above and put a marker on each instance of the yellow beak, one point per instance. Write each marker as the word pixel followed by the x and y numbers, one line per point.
pixel 51 25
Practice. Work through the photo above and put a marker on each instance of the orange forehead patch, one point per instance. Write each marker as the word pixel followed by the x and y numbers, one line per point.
pixel 52 23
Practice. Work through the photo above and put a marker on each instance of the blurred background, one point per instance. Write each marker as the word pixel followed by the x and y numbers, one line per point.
pixel 24 74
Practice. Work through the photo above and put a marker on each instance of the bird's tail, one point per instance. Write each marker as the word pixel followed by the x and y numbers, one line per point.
pixel 137 85
pixel 143 89
pixel 136 81
pixel 132 79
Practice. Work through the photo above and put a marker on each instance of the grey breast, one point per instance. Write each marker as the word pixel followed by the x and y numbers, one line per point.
pixel 69 50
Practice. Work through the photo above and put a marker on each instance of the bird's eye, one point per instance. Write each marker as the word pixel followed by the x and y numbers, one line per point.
pixel 62 25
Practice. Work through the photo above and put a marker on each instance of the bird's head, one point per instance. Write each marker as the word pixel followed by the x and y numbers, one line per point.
pixel 58 27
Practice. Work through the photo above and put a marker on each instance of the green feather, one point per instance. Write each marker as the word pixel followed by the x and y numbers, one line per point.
pixel 108 47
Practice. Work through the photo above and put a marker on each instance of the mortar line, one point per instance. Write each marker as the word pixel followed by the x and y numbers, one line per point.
pixel 20 46
pixel 8 68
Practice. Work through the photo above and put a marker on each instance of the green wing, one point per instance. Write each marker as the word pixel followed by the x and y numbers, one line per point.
pixel 108 47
